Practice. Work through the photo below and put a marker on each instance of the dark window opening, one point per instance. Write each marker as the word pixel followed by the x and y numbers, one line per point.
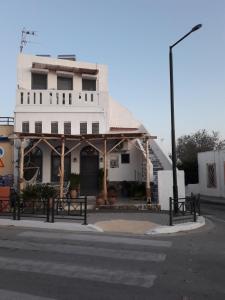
pixel 89 84
pixel 54 127
pixel 38 81
pixel 25 127
pixel 125 158
pixel 38 127
pixel 83 128
pixel 67 128
pixel 64 83
pixel 95 128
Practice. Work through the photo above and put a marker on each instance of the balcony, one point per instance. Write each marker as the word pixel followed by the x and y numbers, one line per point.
pixel 57 98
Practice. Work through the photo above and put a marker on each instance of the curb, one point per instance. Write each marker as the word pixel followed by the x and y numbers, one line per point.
pixel 177 228
pixel 56 226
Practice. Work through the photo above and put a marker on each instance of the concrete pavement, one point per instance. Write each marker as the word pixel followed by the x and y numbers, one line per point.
pixel 113 224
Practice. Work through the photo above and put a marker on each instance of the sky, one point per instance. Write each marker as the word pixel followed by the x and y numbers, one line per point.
pixel 132 37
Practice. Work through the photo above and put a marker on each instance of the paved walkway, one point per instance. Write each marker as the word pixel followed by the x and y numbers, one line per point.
pixel 132 223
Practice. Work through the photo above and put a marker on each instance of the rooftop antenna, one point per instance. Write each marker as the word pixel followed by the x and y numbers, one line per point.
pixel 24 35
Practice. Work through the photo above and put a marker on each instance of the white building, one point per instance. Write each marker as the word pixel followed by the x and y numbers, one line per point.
pixel 211 169
pixel 66 100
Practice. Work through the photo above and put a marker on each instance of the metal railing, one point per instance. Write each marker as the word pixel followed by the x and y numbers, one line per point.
pixel 6 121
pixel 47 209
pixel 185 207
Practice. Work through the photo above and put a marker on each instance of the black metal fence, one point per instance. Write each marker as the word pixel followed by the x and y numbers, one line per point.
pixel 48 209
pixel 184 209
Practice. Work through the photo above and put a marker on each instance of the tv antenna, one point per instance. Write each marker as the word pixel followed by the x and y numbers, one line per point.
pixel 24 35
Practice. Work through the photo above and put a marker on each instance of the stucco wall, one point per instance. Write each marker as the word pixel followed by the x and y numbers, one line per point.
pixel 204 158
pixel 165 187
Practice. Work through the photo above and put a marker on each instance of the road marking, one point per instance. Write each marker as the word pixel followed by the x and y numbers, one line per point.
pixel 111 276
pixel 85 250
pixel 96 238
pixel 8 295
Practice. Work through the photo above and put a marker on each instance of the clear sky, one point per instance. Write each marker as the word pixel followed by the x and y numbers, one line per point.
pixel 132 37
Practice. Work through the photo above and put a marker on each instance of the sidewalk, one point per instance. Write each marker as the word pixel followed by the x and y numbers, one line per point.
pixel 131 223
pixel 212 200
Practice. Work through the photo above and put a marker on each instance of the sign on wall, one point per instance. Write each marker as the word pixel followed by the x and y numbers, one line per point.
pixel 2 151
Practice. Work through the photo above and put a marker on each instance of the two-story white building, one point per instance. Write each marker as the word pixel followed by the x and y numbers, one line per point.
pixel 67 122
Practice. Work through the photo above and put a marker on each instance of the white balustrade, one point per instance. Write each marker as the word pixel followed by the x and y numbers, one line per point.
pixel 57 97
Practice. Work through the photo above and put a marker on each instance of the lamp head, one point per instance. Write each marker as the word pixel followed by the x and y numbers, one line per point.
pixel 196 27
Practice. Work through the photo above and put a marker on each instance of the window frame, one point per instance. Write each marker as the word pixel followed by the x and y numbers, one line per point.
pixel 57 126
pixel 36 124
pixel 28 126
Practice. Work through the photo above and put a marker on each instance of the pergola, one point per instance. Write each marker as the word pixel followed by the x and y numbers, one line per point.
pixel 78 140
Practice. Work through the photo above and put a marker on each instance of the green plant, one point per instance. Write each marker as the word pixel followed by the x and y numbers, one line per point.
pixel 74 181
pixel 47 191
pixel 30 192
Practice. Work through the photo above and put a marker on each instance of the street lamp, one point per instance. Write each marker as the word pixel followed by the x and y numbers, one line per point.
pixel 173 139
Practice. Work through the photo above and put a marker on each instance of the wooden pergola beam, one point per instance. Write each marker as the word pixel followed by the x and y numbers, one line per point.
pixel 35 145
pixel 52 147
pixel 96 148
pixel 21 172
pixel 62 168
pixel 73 148
pixel 105 194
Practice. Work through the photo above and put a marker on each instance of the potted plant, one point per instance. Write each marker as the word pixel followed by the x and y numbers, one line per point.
pixel 74 184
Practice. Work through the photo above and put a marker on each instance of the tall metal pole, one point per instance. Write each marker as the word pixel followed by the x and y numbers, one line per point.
pixel 173 137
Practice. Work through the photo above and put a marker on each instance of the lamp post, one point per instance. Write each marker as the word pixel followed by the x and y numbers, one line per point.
pixel 173 137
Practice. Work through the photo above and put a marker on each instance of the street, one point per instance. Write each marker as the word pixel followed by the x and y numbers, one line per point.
pixel 47 264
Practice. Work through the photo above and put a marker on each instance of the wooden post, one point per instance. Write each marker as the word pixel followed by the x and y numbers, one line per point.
pixel 105 173
pixel 21 173
pixel 62 168
pixel 148 190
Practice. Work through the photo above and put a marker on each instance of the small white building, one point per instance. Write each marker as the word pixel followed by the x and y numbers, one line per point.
pixel 211 169
pixel 67 122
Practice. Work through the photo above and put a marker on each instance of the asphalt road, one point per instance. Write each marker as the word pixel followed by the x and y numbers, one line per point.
pixel 38 264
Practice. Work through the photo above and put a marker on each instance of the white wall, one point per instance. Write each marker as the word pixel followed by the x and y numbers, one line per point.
pixel 165 187
pixel 78 111
pixel 131 171
pixel 204 158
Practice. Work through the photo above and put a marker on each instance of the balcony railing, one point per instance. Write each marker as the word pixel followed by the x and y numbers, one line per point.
pixel 57 98
pixel 6 121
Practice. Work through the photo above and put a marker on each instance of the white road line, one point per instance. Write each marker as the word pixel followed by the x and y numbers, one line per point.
pixel 133 278
pixel 9 295
pixel 97 238
pixel 85 250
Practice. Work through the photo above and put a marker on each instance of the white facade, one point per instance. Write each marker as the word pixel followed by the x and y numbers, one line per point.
pixel 77 105
pixel 49 105
pixel 211 166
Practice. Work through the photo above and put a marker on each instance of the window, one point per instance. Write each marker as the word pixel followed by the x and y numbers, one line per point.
pixel 211 175
pixel 95 128
pixel 67 128
pixel 38 81
pixel 25 127
pixel 114 161
pixel 64 83
pixel 54 127
pixel 38 127
pixel 83 128
pixel 125 158
pixel 89 84
pixel 21 98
